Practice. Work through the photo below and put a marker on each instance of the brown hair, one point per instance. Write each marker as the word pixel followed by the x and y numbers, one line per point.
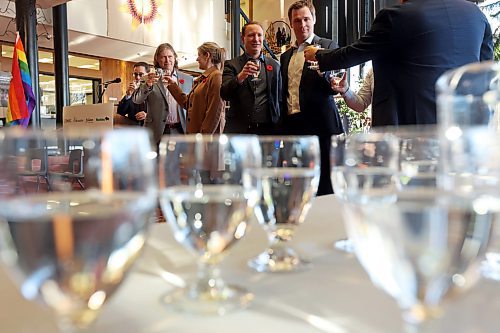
pixel 160 49
pixel 244 28
pixel 217 53
pixel 301 4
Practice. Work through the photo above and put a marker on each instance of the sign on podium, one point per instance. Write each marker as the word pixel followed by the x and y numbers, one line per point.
pixel 90 116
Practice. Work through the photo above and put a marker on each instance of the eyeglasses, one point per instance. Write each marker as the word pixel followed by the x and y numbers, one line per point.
pixel 138 74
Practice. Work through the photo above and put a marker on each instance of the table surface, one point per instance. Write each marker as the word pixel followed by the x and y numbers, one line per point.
pixel 334 296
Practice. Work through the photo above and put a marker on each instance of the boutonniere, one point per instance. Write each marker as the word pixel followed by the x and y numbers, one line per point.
pixel 181 81
pixel 269 67
pixel 204 80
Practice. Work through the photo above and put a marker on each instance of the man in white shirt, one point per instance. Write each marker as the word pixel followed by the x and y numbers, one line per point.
pixel 308 104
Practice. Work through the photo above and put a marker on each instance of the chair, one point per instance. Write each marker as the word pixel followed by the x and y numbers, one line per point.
pixel 74 171
pixel 35 165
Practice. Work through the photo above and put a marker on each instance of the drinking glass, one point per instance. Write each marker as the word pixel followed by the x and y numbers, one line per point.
pixel 337 75
pixel 255 76
pixel 208 199
pixel 313 65
pixel 419 243
pixel 290 176
pixel 471 165
pixel 418 155
pixel 71 247
pixel 469 96
pixel 337 175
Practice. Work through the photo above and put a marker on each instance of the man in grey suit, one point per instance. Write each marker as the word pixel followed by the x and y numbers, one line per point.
pixel 164 115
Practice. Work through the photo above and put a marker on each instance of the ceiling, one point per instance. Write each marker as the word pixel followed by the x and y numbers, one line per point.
pixel 94 45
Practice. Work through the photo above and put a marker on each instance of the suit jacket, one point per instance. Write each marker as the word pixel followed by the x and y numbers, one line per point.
pixel 157 105
pixel 129 109
pixel 318 112
pixel 241 97
pixel 410 46
pixel 204 106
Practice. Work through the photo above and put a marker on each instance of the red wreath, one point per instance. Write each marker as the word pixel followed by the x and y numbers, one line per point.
pixel 269 67
pixel 145 18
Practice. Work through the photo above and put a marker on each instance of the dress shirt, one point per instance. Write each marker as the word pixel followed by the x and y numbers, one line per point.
pixel 173 107
pixel 294 74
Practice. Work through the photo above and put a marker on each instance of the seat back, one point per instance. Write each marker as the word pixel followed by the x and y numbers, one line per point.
pixel 75 163
pixel 36 161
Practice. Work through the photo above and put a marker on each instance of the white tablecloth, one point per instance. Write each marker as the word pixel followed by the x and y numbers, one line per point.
pixel 334 296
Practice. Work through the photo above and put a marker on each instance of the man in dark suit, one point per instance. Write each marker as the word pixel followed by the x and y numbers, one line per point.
pixel 308 104
pixel 410 46
pixel 127 108
pixel 251 83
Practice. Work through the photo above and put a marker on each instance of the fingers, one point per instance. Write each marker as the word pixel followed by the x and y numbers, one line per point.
pixel 140 115
pixel 310 53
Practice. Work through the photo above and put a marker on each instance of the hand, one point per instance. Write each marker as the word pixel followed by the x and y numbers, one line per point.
pixel 151 78
pixel 141 115
pixel 130 89
pixel 249 69
pixel 310 53
pixel 168 80
pixel 340 86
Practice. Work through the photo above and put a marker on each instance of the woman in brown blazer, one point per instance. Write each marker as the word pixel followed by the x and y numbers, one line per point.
pixel 205 107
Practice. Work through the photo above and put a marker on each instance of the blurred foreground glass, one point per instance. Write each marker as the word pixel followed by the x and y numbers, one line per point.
pixel 290 176
pixel 71 247
pixel 417 242
pixel 419 153
pixel 208 198
pixel 471 165
pixel 469 96
pixel 339 183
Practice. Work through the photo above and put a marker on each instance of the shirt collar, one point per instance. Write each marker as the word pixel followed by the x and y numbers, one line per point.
pixel 307 42
pixel 261 57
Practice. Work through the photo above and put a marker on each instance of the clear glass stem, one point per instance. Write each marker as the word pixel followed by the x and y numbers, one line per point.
pixel 209 283
pixel 419 318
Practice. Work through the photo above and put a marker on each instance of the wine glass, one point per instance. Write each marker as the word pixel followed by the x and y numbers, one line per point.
pixel 208 198
pixel 313 65
pixel 418 243
pixel 337 75
pixel 71 247
pixel 290 176
pixel 255 76
pixel 469 96
pixel 337 162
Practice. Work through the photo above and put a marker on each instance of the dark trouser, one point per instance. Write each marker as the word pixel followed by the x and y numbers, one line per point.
pixel 173 129
pixel 325 183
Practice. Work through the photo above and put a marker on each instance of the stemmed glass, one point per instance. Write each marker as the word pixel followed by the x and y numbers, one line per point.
pixel 469 96
pixel 418 243
pixel 208 198
pixel 290 176
pixel 313 65
pixel 339 183
pixel 70 247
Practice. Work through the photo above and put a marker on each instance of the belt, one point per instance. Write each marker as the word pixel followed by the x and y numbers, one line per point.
pixel 174 125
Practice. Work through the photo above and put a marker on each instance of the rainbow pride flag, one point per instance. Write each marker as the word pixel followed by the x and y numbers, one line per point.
pixel 21 98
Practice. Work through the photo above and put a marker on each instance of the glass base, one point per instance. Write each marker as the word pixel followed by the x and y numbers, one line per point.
pixel 344 245
pixel 213 301
pixel 490 267
pixel 278 260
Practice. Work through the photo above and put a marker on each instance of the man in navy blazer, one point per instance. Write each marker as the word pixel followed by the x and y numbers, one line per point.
pixel 254 102
pixel 308 104
pixel 410 46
